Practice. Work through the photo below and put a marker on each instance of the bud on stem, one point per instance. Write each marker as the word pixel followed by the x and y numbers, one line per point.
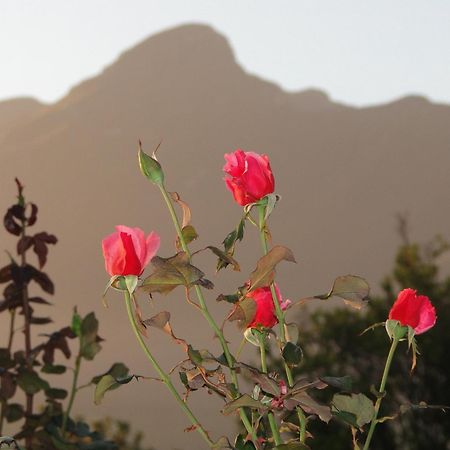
pixel 150 167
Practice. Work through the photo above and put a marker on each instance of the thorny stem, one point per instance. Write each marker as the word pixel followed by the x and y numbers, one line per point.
pixel 27 331
pixel 218 332
pixel 270 416
pixel 73 392
pixel 280 316
pixel 10 340
pixel 164 377
pixel 384 378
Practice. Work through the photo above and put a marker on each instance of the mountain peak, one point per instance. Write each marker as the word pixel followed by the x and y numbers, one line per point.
pixel 190 38
pixel 174 59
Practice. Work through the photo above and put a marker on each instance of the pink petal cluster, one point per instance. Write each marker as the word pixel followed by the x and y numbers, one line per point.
pixel 413 310
pixel 127 251
pixel 265 309
pixel 250 176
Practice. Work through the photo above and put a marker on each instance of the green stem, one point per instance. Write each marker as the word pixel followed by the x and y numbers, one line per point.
pixel 270 415
pixel 280 316
pixel 384 378
pixel 207 315
pixel 73 392
pixel 164 377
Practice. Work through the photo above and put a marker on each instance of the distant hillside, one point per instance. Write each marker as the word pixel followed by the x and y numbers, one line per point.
pixel 343 173
pixel 13 112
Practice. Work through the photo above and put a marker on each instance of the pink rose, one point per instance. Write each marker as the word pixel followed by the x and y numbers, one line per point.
pixel 127 251
pixel 265 309
pixel 250 176
pixel 413 310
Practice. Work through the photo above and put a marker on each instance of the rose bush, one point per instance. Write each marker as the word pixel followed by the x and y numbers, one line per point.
pixel 277 410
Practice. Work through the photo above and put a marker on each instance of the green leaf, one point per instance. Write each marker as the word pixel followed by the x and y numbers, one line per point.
pixel 108 383
pixel 343 383
pixel 243 401
pixel 117 370
pixel 312 406
pixel 57 394
pixel 31 383
pixel 353 289
pixel 292 354
pixel 223 360
pixel 229 243
pixel 264 273
pixel 76 323
pixel 150 167
pixel 195 356
pixel 225 259
pixel 266 382
pixel 230 298
pixel 189 234
pixel 89 345
pixel 172 272
pixel 14 412
pixel 357 404
pixel 5 359
pixel 54 369
pixel 272 200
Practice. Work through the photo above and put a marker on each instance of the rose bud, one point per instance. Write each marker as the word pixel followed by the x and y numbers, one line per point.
pixel 265 309
pixel 415 311
pixel 127 251
pixel 250 176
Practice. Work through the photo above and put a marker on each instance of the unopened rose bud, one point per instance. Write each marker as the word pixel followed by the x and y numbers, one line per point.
pixel 151 168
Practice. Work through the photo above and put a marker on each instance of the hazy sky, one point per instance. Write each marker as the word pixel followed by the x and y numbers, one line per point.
pixel 359 51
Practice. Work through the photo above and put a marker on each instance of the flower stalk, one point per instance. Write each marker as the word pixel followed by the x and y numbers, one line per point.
pixel 373 423
pixel 163 376
pixel 204 309
pixel 280 316
pixel 270 415
pixel 73 392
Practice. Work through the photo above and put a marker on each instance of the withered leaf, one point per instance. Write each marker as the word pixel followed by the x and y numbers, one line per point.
pixel 184 207
pixel 162 322
pixel 172 272
pixel 244 311
pixel 354 290
pixel 264 273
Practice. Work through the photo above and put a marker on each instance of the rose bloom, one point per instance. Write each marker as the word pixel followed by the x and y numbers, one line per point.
pixel 250 176
pixel 127 251
pixel 265 315
pixel 413 310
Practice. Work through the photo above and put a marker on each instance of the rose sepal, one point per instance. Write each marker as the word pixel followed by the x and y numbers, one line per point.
pixel 121 283
pixel 396 330
pixel 252 335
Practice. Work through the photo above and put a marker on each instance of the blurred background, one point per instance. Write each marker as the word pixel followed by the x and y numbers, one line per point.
pixel 350 100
